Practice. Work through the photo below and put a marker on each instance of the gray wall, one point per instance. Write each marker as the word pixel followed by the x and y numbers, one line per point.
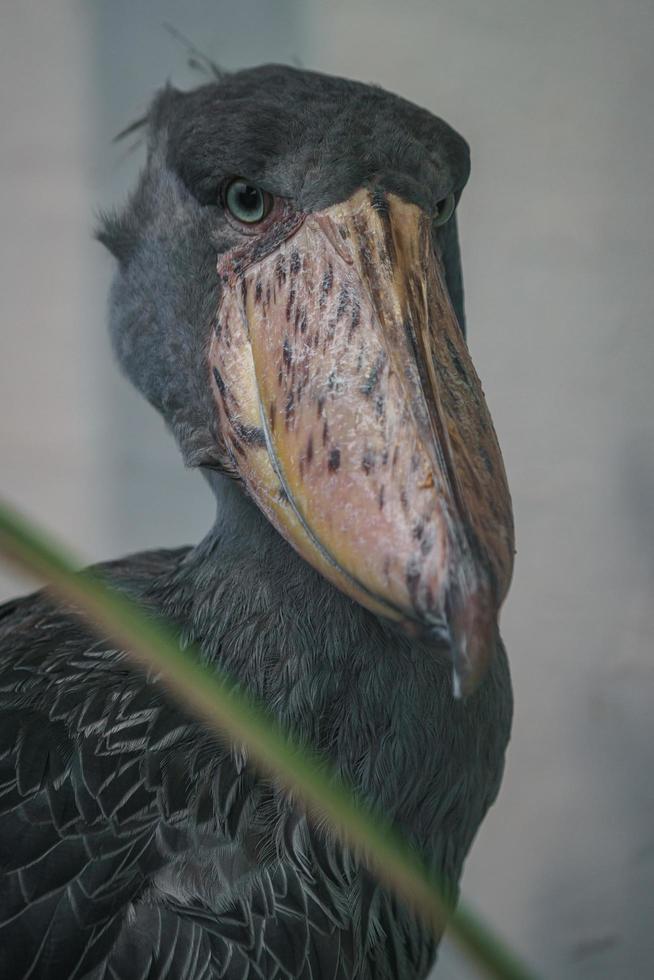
pixel 558 247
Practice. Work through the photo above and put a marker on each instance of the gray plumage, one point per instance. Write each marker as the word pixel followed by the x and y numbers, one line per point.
pixel 133 842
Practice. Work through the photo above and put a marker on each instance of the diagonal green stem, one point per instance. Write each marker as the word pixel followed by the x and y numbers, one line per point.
pixel 211 696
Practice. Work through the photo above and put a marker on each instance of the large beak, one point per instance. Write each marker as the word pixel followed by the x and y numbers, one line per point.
pixel 351 410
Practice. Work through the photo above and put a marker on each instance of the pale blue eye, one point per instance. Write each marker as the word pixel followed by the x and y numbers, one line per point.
pixel 445 209
pixel 246 202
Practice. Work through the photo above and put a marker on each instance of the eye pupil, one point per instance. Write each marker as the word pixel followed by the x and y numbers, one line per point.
pixel 248 198
pixel 246 202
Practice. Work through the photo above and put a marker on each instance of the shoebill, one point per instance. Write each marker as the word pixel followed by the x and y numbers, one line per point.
pixel 288 296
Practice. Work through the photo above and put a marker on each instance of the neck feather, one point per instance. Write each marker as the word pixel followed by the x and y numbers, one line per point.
pixel 342 679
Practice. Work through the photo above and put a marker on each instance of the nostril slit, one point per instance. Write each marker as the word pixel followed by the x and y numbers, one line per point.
pixel 328 228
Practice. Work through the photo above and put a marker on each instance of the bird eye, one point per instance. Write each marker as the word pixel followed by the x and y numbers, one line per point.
pixel 246 202
pixel 445 209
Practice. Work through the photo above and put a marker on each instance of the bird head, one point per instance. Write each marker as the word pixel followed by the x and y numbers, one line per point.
pixel 289 297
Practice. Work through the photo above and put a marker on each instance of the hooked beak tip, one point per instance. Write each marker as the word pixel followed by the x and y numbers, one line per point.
pixel 472 623
pixel 468 632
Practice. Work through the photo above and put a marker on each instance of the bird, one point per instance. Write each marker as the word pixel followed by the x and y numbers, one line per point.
pixel 288 296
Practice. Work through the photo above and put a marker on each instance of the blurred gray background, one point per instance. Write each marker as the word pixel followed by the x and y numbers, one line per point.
pixel 558 245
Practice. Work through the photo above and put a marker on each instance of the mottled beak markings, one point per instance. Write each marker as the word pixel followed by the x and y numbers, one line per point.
pixel 352 412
